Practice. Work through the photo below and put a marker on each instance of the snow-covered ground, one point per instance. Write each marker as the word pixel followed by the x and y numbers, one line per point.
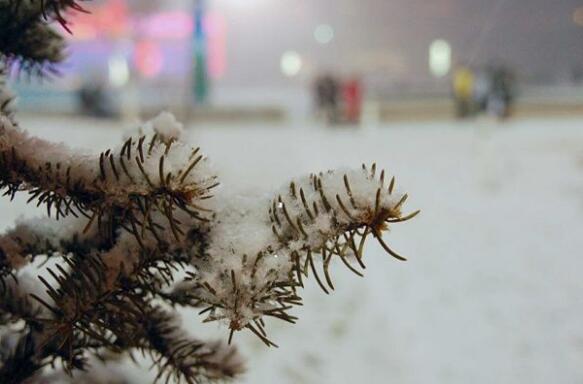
pixel 493 289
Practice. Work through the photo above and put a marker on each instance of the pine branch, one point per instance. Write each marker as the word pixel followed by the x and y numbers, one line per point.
pixel 6 97
pixel 43 236
pixel 142 216
pixel 104 303
pixel 26 36
pixel 16 305
pixel 21 319
pixel 80 314
pixel 148 175
pixel 56 9
pixel 180 357
pixel 18 365
pixel 309 224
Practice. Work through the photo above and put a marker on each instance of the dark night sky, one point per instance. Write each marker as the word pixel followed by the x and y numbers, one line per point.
pixel 538 37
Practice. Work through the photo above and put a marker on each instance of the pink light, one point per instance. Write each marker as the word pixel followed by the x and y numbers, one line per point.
pixel 167 25
pixel 115 17
pixel 148 58
pixel 109 19
pixel 216 30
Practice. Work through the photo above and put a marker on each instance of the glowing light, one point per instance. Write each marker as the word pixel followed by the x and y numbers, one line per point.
pixel 578 16
pixel 324 34
pixel 109 19
pixel 439 58
pixel 148 59
pixel 167 25
pixel 291 63
pixel 216 31
pixel 119 72
pixel 115 17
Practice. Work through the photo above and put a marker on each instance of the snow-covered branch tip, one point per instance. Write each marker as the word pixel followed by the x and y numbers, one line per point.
pixel 259 255
pixel 149 174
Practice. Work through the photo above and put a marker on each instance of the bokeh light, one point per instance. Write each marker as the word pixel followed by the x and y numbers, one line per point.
pixel 149 59
pixel 324 34
pixel 119 71
pixel 291 63
pixel 439 58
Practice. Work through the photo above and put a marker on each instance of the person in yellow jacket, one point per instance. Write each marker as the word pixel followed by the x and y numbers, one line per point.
pixel 463 90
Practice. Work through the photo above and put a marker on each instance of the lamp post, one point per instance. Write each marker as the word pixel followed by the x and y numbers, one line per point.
pixel 200 65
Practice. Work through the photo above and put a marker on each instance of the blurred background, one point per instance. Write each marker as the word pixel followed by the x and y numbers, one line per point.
pixel 476 107
pixel 340 59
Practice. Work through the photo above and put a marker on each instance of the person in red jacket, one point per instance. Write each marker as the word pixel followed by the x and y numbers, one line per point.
pixel 352 92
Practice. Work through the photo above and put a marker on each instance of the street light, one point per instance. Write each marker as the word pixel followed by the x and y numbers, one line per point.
pixel 291 63
pixel 439 58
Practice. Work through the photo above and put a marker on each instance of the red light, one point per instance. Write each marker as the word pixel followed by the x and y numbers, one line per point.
pixel 109 19
pixel 148 58
pixel 216 31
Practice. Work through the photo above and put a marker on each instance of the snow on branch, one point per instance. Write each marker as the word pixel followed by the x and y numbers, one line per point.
pixel 134 231
pixel 147 174
pixel 44 236
pixel 260 254
pixel 171 347
pixel 133 219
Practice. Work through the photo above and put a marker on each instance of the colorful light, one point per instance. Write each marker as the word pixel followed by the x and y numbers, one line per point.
pixel 291 63
pixel 119 72
pixel 167 25
pixel 216 32
pixel 324 34
pixel 148 58
pixel 439 58
pixel 109 19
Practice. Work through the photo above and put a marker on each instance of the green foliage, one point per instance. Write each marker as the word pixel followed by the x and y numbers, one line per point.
pixel 26 37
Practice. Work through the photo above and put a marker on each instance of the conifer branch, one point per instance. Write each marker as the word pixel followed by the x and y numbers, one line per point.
pixel 6 97
pixel 118 185
pixel 26 36
pixel 124 224
pixel 179 356
pixel 44 236
pixel 312 222
pixel 16 305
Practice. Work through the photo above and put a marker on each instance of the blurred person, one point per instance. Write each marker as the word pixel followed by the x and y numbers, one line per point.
pixel 463 90
pixel 501 98
pixel 326 92
pixel 94 101
pixel 482 90
pixel 352 95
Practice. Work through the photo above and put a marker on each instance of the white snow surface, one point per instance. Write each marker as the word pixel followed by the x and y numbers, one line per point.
pixel 493 289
